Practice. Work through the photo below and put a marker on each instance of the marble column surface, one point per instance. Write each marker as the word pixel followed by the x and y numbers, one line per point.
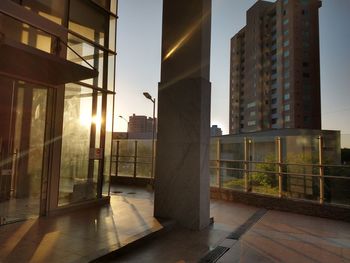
pixel 182 160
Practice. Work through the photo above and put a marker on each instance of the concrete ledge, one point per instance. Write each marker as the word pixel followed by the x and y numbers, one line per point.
pixel 304 207
pixel 130 180
pixel 81 205
pixel 136 242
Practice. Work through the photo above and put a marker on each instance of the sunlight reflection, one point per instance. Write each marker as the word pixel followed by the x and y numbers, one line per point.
pixel 16 237
pixel 45 247
pixel 186 36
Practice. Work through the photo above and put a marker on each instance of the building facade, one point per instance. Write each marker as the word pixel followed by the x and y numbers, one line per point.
pixel 215 131
pixel 275 68
pixel 141 127
pixel 57 74
pixel 139 123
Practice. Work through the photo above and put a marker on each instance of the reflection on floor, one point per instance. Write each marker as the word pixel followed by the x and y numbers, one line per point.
pixel 88 234
pixel 274 237
pixel 16 209
pixel 83 235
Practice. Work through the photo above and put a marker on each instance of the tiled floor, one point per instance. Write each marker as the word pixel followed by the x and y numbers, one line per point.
pixel 287 237
pixel 83 235
pixel 276 237
pixel 87 234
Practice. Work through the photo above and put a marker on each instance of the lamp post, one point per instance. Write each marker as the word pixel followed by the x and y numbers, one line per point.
pixel 120 116
pixel 148 96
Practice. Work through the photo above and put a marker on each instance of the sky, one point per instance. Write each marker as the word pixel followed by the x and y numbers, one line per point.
pixel 138 59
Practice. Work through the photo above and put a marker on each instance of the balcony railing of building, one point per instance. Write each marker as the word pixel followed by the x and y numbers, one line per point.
pixel 289 167
pixel 132 158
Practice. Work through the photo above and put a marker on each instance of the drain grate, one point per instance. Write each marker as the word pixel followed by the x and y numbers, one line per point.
pixel 117 192
pixel 131 193
pixel 247 225
pixel 214 255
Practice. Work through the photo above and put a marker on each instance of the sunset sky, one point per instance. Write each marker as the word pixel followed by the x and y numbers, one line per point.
pixel 138 59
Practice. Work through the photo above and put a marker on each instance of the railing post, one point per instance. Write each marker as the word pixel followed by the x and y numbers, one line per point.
pixel 321 168
pixel 245 164
pixel 279 160
pixel 218 163
pixel 117 160
pixel 135 159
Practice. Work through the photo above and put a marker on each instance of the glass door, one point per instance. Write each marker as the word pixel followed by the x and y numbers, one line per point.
pixel 22 141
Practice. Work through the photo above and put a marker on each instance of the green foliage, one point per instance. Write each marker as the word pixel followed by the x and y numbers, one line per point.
pixel 263 177
pixel 234 183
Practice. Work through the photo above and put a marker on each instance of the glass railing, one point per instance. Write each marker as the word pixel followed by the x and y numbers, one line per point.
pixel 132 158
pixel 307 167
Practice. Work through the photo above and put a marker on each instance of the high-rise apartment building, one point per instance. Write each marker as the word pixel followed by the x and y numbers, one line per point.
pixel 275 69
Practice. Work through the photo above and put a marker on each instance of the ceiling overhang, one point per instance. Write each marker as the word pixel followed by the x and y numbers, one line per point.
pixel 24 62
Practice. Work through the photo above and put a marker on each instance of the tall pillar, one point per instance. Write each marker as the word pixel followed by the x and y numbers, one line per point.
pixel 182 159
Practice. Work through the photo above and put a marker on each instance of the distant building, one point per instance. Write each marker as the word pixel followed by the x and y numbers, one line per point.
pixel 215 131
pixel 275 68
pixel 140 127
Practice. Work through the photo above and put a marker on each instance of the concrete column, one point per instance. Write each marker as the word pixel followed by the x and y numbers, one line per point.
pixel 182 159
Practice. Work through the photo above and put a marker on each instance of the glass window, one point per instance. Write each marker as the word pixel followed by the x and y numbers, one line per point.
pixel 108 144
pixel 88 21
pixel 111 73
pixel 287 118
pixel 286 53
pixel 286 74
pixel 286 96
pixel 285 21
pixel 251 105
pixel 93 55
pixel 287 85
pixel 286 63
pixel 251 123
pixel 103 3
pixel 76 183
pixel 287 107
pixel 53 10
pixel 112 33
pixel 286 43
pixel 25 34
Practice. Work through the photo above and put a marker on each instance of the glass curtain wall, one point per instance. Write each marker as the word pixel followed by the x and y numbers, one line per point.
pixel 89 104
pixel 23 122
pixel 23 110
pixel 28 114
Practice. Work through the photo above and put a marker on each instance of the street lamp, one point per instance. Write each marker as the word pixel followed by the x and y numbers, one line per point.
pixel 120 116
pixel 148 96
pixel 127 125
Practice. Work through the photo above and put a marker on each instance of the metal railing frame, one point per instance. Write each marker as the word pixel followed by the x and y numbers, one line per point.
pixel 279 165
pixel 134 162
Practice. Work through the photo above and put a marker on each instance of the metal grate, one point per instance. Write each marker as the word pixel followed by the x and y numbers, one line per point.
pixel 214 255
pixel 247 225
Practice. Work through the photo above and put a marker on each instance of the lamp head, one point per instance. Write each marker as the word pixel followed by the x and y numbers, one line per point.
pixel 147 95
